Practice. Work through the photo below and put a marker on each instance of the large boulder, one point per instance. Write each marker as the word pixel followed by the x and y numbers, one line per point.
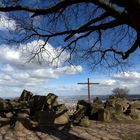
pixel 97 100
pixel 3 105
pixel 135 105
pixel 9 115
pixel 86 108
pixel 4 121
pixel 134 111
pixel 12 105
pixel 110 102
pixel 61 114
pixel 28 123
pixel 86 105
pixel 119 104
pixel 135 115
pixel 22 115
pixel 123 109
pixel 61 119
pixel 19 126
pixel 79 113
pixel 51 119
pixel 26 96
pixel 84 122
pixel 60 109
pixel 39 102
pixel 95 106
pixel 51 99
pixel 104 115
pixel 24 124
pixel 45 117
pixel 44 102
pixel 52 116
pixel 22 119
pixel 25 110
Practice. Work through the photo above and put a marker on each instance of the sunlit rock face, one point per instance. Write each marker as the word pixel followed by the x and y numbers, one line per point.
pixel 114 109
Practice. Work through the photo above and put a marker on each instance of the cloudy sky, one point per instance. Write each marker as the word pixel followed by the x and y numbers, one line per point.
pixel 18 73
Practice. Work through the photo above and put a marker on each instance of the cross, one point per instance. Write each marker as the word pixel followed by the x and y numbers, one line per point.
pixel 88 83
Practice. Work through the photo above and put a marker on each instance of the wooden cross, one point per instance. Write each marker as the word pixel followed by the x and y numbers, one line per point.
pixel 88 83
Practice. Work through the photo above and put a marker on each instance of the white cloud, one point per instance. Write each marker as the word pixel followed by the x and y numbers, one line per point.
pixel 9 55
pixel 20 56
pixel 131 80
pixel 68 70
pixel 6 23
pixel 52 73
pixel 7 68
pixel 127 76
pixel 46 56
pixel 15 72
pixel 122 79
pixel 108 82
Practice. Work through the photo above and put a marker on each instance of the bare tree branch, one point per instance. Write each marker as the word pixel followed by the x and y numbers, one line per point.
pixel 104 26
pixel 132 49
pixel 104 17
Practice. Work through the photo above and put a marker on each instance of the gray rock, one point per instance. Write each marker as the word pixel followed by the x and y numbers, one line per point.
pixel 84 122
pixel 41 103
pixel 9 115
pixel 26 96
pixel 12 105
pixel 52 99
pixel 104 115
pixel 79 113
pixel 97 100
pixel 19 126
pixel 134 110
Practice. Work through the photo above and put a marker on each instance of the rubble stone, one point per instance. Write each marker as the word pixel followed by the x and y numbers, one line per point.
pixel 26 96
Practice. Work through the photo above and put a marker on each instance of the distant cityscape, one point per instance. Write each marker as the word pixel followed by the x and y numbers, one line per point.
pixel 74 99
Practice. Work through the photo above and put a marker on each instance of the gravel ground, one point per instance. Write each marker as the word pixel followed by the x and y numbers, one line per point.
pixel 96 131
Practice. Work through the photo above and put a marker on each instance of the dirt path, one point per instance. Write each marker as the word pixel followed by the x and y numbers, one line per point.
pixel 97 131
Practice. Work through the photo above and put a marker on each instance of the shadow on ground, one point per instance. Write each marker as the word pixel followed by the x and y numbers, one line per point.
pixel 64 133
pixel 60 133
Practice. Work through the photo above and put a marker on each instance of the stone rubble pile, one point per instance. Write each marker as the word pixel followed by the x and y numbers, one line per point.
pixel 36 112
pixel 114 109
pixel 33 111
